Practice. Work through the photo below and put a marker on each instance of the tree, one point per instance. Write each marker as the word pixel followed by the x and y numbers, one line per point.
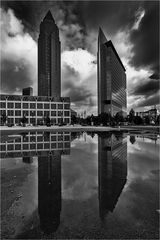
pixel 24 120
pixel 138 120
pixel 131 115
pixel 3 118
pixel 147 120
pixel 48 121
pixel 132 139
pixel 73 119
pixel 105 118
pixel 118 117
pixel 158 120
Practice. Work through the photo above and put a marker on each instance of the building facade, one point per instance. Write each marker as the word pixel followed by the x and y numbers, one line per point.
pixel 49 60
pixel 152 114
pixel 111 79
pixel 35 108
pixel 27 91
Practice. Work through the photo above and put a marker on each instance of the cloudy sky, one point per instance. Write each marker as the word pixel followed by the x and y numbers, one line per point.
pixel 133 27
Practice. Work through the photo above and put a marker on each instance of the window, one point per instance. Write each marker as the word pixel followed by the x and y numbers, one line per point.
pixel 46 145
pixel 53 106
pixel 39 146
pixel 60 106
pixel 25 113
pixel 53 138
pixel 10 105
pixel 32 146
pixel 32 113
pixel 66 106
pixel 10 147
pixel 17 113
pixel 17 105
pixel 66 120
pixel 32 105
pixel 17 147
pixel 66 138
pixel 2 105
pixel 25 105
pixel 39 113
pixel 25 139
pixel 60 113
pixel 53 113
pixel 18 140
pixel 39 138
pixel 46 106
pixel 67 144
pixel 60 145
pixel 46 113
pixel 11 120
pixel 25 146
pixel 10 112
pixel 40 105
pixel 17 120
pixel 60 138
pixel 66 113
pixel 2 148
pixel 53 145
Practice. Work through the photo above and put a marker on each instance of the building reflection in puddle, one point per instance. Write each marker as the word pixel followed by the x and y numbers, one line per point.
pixel 49 191
pixel 48 147
pixel 112 170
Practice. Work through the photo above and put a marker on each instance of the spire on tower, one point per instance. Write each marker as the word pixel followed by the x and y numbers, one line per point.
pixel 48 16
pixel 102 38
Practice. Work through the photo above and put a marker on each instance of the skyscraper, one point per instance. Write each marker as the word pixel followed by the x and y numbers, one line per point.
pixel 49 67
pixel 111 78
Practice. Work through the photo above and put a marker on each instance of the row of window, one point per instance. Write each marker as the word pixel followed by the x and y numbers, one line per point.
pixel 34 146
pixel 33 105
pixel 33 113
pixel 43 138
pixel 38 120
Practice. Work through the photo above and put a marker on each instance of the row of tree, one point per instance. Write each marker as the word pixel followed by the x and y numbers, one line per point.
pixel 106 119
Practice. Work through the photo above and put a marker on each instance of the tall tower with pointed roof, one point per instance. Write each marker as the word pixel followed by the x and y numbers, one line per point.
pixel 111 78
pixel 49 61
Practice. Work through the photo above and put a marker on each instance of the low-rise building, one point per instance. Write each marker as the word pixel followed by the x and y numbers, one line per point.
pixel 152 114
pixel 27 91
pixel 35 109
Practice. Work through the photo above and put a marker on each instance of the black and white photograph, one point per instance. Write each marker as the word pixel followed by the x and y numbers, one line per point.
pixel 79 119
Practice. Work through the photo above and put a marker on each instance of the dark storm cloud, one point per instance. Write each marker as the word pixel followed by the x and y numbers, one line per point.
pixel 147 88
pixel 145 39
pixel 155 76
pixel 76 18
pixel 30 13
pixel 14 76
pixel 150 100
pixel 110 15
pixel 78 94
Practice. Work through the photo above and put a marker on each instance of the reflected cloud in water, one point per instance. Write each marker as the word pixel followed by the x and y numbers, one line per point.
pixel 83 176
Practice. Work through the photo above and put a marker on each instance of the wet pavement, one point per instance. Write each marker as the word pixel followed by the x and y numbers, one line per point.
pixel 80 186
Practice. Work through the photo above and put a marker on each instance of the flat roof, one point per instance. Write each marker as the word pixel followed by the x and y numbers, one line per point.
pixel 110 44
pixel 33 98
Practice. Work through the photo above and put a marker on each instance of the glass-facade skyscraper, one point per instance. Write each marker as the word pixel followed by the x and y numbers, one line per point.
pixel 49 66
pixel 111 78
